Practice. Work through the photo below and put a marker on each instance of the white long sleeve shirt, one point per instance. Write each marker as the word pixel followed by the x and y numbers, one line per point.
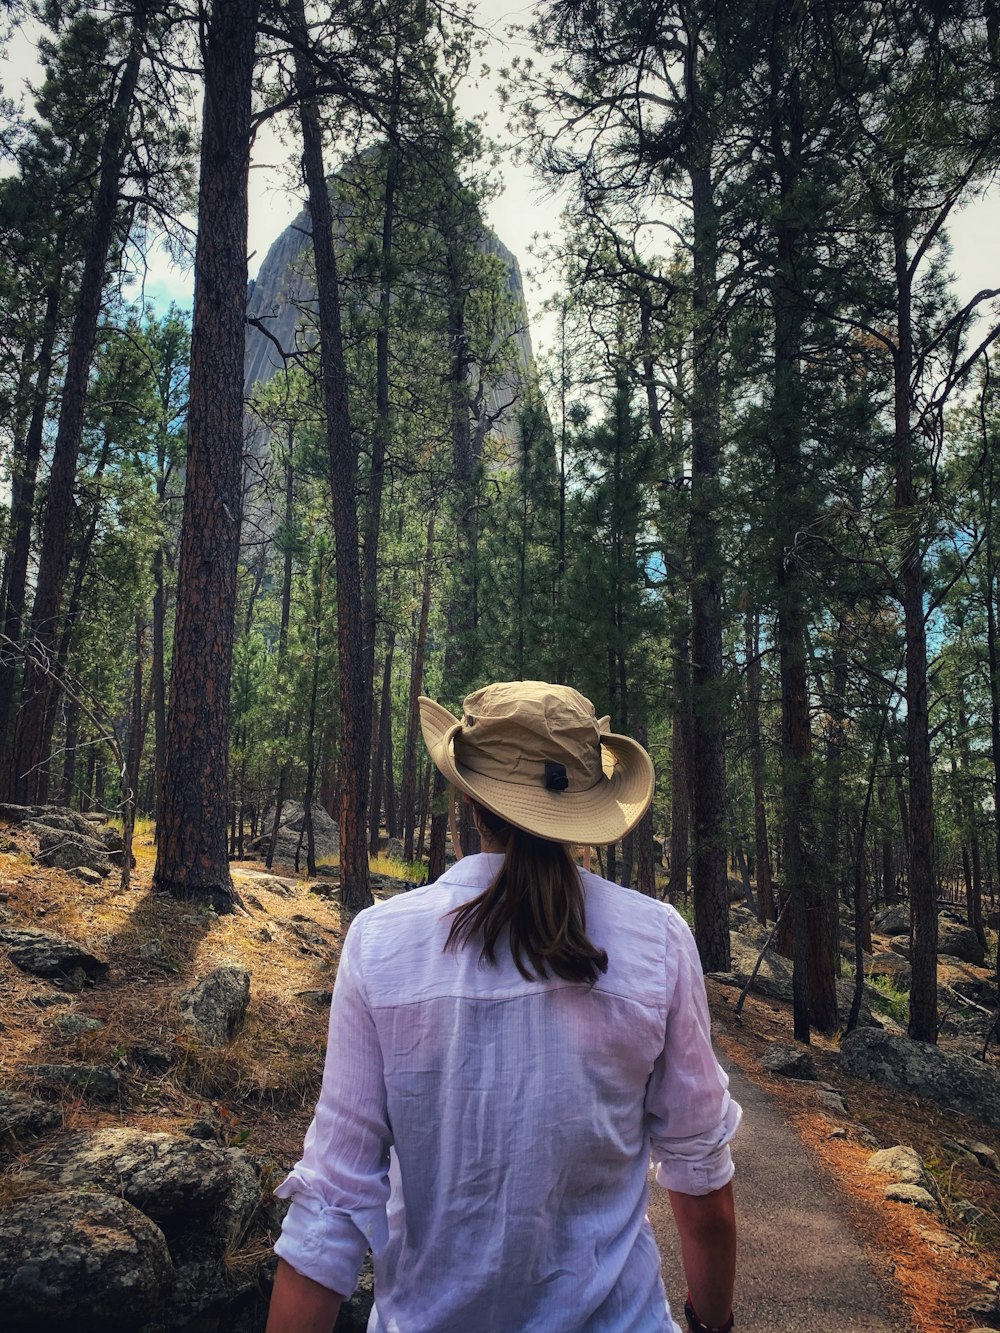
pixel 489 1137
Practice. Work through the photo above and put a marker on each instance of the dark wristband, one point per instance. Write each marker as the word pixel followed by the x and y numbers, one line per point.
pixel 696 1325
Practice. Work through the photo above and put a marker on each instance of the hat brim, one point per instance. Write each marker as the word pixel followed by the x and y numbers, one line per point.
pixel 602 815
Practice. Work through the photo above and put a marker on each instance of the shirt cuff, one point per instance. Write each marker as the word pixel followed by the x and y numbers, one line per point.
pixel 328 1244
pixel 700 1164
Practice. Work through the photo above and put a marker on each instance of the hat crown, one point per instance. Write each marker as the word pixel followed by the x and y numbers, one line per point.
pixel 513 729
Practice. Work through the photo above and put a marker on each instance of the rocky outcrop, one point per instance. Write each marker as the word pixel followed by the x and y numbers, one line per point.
pixel 213 1009
pixel 201 1195
pixel 80 1260
pixel 21 1117
pixel 792 1061
pixel 956 1082
pixel 145 1220
pixel 53 817
pixel 53 956
pixel 893 966
pixel 63 850
pixel 93 1081
pixel 291 845
pixel 911 1181
pixel 285 289
pixel 893 920
pixel 958 941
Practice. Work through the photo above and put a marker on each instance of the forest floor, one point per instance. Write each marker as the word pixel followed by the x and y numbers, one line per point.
pixel 260 1088
pixel 934 1268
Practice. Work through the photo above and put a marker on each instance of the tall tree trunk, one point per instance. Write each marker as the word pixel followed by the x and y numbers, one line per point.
pixel 381 744
pixel 191 854
pixel 889 893
pixel 24 474
pixel 133 755
pixel 974 880
pixel 70 746
pixel 380 437
pixel 814 993
pixel 460 650
pixel 680 787
pixel 761 847
pixel 389 788
pixel 645 871
pixel 408 798
pixel 706 771
pixel 35 718
pixel 355 685
pixel 921 850
pixel 425 800
pixel 989 593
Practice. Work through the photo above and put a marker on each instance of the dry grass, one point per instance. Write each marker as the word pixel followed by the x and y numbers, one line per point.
pixel 262 1085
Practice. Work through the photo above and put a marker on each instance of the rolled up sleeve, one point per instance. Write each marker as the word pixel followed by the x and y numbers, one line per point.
pixel 691 1116
pixel 339 1189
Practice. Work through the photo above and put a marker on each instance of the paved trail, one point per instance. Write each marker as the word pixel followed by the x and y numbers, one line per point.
pixel 801 1269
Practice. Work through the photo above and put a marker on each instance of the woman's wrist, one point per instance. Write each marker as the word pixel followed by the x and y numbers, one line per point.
pixel 697 1325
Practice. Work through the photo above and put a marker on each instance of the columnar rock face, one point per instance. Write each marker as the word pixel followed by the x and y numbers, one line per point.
pixel 283 295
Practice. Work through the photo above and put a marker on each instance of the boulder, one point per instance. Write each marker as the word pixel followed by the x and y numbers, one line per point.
pixel 773 980
pixel 957 941
pixel 956 1082
pixel 893 920
pixel 80 1260
pixel 93 1081
pixel 282 888
pixel 893 966
pixel 789 1060
pixel 913 1195
pixel 394 849
pixel 49 816
pixel 291 838
pixel 69 851
pixel 22 1116
pixel 46 955
pixel 87 876
pixel 213 1009
pixel 831 1101
pixel 61 819
pixel 76 1025
pixel 200 1194
pixel 903 1164
pixel 980 1152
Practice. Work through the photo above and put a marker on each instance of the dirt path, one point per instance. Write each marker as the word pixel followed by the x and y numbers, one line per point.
pixel 801 1268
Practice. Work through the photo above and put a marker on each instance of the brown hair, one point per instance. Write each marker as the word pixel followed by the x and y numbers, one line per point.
pixel 537 900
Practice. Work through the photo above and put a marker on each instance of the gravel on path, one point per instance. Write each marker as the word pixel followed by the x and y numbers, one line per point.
pixel 800 1268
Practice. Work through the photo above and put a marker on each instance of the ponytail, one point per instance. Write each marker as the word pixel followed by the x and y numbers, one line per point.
pixel 537 900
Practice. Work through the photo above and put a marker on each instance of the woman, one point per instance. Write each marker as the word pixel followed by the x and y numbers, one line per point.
pixel 507 1048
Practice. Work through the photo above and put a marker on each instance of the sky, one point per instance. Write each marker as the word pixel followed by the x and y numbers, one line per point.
pixel 520 210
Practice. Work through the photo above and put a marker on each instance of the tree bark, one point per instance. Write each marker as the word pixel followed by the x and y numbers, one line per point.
pixel 921 850
pixel 355 687
pixel 381 746
pixel 408 797
pixel 706 772
pixel 680 789
pixel 24 475
pixel 34 725
pixel 762 850
pixel 191 856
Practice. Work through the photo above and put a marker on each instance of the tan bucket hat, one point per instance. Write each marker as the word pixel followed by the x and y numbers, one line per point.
pixel 538 756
